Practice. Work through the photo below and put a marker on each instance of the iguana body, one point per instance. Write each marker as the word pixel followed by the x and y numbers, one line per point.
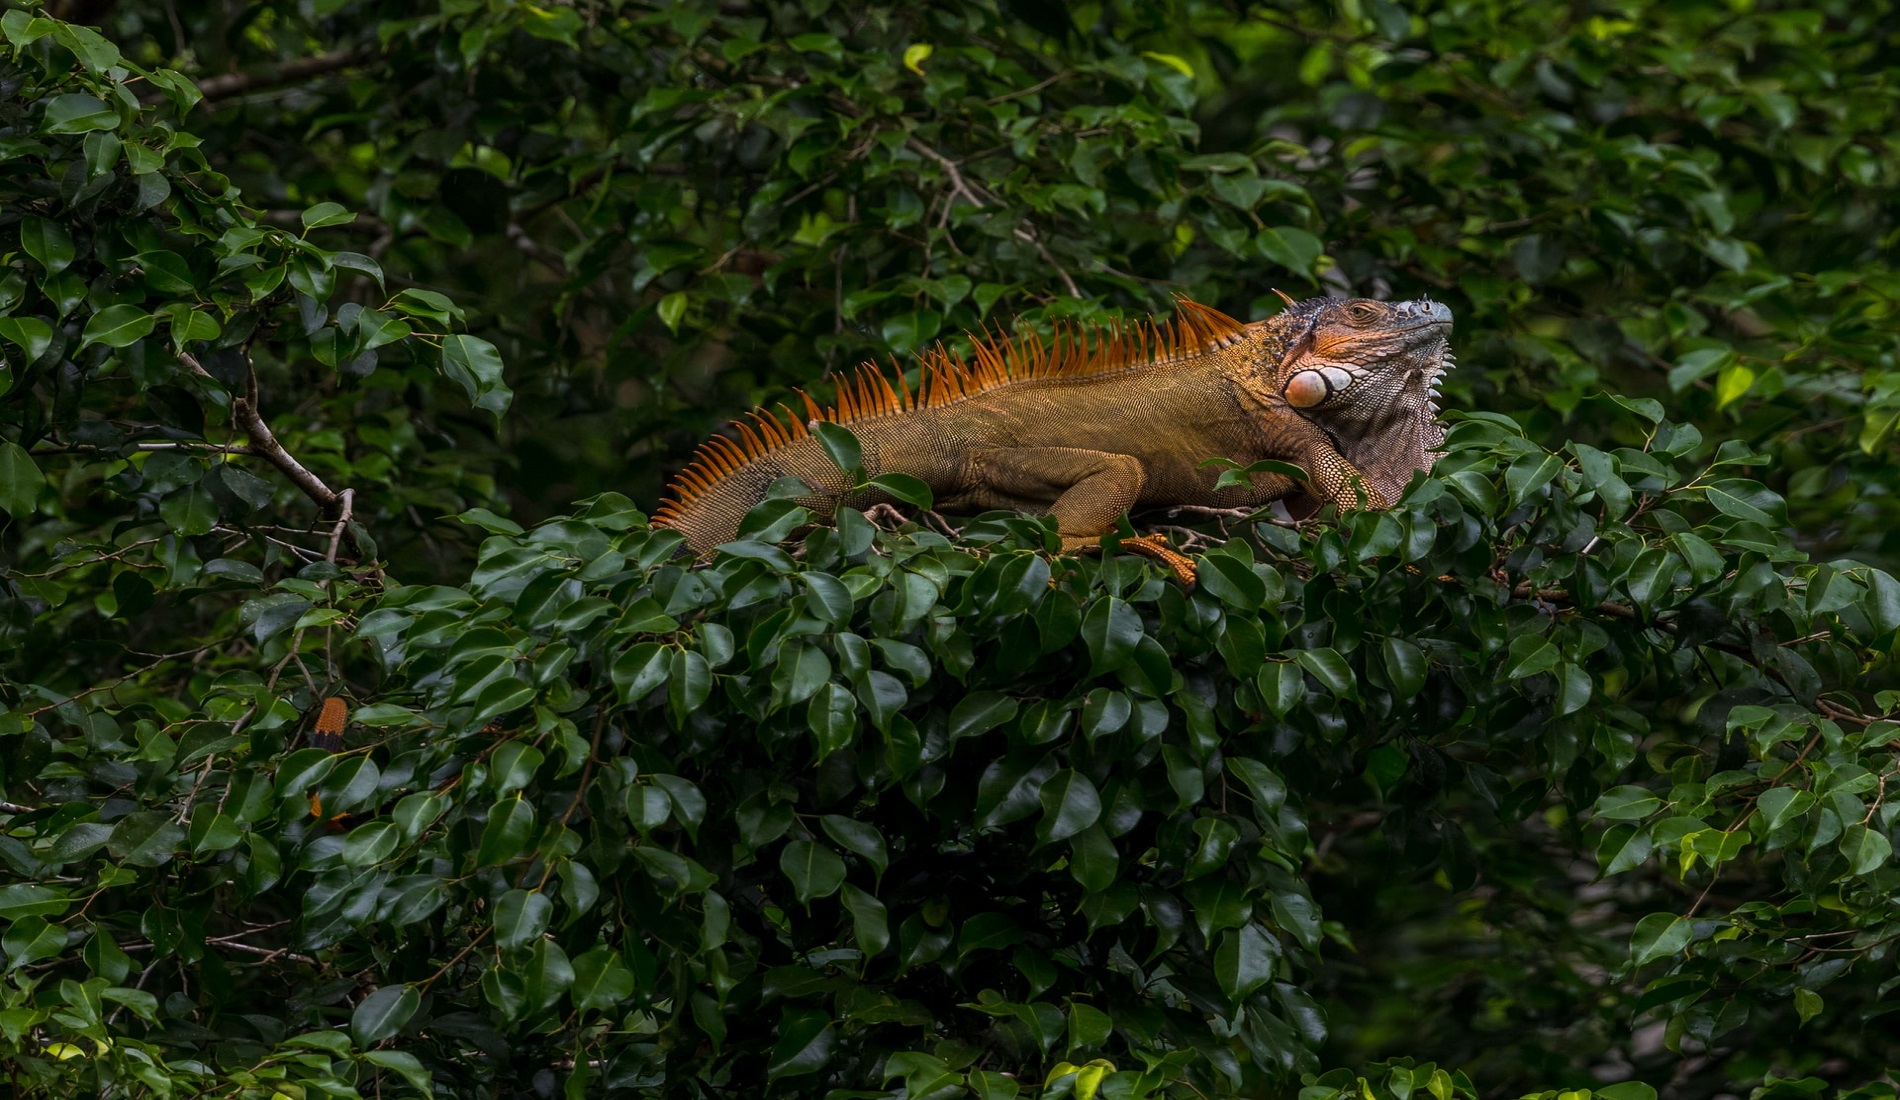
pixel 1091 425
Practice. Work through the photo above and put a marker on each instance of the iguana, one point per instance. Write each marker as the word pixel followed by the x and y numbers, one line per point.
pixel 1092 423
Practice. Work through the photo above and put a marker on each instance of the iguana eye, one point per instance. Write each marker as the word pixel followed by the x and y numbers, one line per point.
pixel 1362 313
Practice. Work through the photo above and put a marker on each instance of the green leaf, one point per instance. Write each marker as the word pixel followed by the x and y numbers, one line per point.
pixel 1232 581
pixel 1779 805
pixel 383 1013
pixel 1650 576
pixel 601 980
pixel 1245 961
pixel 1623 848
pixel 1330 669
pixel 117 326
pixel 988 932
pixel 1866 850
pixel 1529 474
pixel 688 802
pixel 870 924
pixel 640 670
pixel 1111 629
pixel 672 309
pixel 1627 804
pixel 327 213
pixel 406 1065
pixel 1733 384
pixel 1696 365
pixel 19 900
pixel 76 113
pixel 418 811
pixel 840 444
pixel 980 712
pixel 1530 654
pixel 1405 666
pixel 805 1039
pixel 520 917
pixel 1648 408
pixel 1292 248
pixel 903 487
pixel 475 365
pixel 1705 563
pixel 828 597
pixel 20 480
pixel 505 837
pixel 33 336
pixel 859 837
pixel 833 717
pixel 815 870
pixel 1093 859
pixel 1660 935
pixel 907 332
pixel 1070 804
pixel 1214 843
pixel 368 844
pixel 1282 686
pixel 1731 500
pixel 376 329
pixel 48 242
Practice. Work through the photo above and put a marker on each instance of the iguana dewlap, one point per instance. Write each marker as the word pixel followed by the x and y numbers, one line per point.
pixel 1091 424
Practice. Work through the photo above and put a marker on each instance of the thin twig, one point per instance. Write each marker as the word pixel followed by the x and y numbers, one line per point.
pixel 195 448
pixel 1043 251
pixel 245 416
pixel 346 500
pixel 958 185
pixel 227 85
pixel 1031 90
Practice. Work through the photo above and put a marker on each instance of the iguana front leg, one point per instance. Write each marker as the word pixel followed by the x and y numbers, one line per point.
pixel 1086 491
pixel 1330 476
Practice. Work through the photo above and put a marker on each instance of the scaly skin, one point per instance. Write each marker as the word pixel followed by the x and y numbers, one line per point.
pixel 1343 389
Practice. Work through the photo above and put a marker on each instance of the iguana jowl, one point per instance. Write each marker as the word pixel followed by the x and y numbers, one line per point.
pixel 1091 424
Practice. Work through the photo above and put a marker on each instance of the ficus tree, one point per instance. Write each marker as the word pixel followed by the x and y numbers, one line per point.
pixel 359 736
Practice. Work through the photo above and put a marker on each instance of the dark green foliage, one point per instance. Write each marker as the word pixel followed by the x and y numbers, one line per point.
pixel 1574 768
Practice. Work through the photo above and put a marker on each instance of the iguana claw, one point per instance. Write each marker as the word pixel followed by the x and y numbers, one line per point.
pixel 1156 547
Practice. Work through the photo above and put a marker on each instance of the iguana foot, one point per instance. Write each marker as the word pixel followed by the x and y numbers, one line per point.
pixel 1156 547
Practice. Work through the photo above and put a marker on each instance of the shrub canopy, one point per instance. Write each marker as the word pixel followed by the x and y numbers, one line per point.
pixel 359 737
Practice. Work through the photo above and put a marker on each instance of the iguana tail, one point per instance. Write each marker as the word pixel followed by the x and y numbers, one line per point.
pixel 730 475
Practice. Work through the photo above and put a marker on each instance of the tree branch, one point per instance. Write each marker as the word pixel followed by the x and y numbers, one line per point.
pixel 347 503
pixel 1043 251
pixel 228 85
pixel 958 186
pixel 245 417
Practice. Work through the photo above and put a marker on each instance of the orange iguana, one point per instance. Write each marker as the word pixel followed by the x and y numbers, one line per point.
pixel 1091 424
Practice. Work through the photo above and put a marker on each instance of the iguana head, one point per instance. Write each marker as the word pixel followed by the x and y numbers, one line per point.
pixel 1368 373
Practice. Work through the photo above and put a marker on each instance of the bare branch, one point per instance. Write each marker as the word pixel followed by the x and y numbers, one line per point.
pixel 347 500
pixel 958 185
pixel 1043 251
pixel 228 85
pixel 245 417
